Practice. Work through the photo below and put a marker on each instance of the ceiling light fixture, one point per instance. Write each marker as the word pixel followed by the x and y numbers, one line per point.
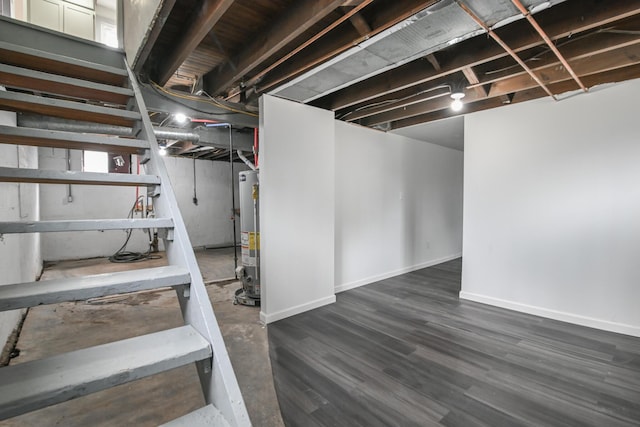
pixel 457 104
pixel 163 151
pixel 180 118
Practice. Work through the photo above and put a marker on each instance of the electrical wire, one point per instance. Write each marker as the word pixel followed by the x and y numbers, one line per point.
pixel 122 255
pixel 391 101
pixel 211 100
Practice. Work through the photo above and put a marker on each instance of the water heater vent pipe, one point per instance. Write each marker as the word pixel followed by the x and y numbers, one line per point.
pixel 247 161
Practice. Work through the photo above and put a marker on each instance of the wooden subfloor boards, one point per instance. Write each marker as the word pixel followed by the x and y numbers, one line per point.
pixel 407 352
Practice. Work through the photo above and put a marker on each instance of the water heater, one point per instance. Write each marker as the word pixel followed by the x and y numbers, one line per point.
pixel 249 270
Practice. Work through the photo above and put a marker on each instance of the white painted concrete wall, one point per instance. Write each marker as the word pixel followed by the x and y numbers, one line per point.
pixel 297 170
pixel 552 208
pixel 209 223
pixel 20 259
pixel 89 202
pixel 398 205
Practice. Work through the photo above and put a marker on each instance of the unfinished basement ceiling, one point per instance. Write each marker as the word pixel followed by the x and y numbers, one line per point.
pixel 387 64
pixel 428 31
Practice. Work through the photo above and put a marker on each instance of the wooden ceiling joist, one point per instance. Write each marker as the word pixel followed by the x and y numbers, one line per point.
pixel 584 49
pixel 328 48
pixel 197 29
pixel 551 74
pixel 617 75
pixel 547 40
pixel 302 16
pixel 360 24
pixel 243 48
pixel 507 49
pixel 560 21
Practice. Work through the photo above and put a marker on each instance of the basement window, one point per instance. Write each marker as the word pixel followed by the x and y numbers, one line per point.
pixel 108 34
pixel 96 161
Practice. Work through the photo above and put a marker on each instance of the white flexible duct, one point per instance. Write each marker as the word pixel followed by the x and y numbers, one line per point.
pixel 247 161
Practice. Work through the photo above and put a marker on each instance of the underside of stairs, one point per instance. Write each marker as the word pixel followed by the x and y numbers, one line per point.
pixel 60 76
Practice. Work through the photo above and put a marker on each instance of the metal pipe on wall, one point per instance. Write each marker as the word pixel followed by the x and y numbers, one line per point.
pixel 245 160
pixel 69 193
pixel 51 123
pixel 233 205
pixel 233 195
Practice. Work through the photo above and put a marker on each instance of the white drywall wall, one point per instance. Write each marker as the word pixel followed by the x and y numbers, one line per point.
pixel 20 259
pixel 208 223
pixel 139 17
pixel 398 205
pixel 297 167
pixel 552 208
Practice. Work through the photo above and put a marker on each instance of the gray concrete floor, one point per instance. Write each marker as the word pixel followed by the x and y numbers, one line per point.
pixel 55 329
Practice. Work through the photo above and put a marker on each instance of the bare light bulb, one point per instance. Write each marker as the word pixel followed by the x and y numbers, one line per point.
pixel 162 151
pixel 456 104
pixel 180 118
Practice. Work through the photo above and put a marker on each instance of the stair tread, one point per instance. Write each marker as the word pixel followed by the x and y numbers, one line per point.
pixel 74 177
pixel 25 78
pixel 51 226
pixel 31 294
pixel 72 140
pixel 206 416
pixel 63 65
pixel 22 102
pixel 33 385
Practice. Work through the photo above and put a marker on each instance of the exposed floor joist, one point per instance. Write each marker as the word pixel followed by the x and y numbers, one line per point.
pixel 202 22
pixel 552 73
pixel 286 44
pixel 560 21
pixel 292 24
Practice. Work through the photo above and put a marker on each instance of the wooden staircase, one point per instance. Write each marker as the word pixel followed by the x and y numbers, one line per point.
pixel 55 75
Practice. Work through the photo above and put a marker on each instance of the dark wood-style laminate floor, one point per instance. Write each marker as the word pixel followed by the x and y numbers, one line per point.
pixel 407 352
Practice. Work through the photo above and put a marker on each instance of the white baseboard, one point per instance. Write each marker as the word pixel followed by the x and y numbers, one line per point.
pixel 591 322
pixel 378 277
pixel 292 311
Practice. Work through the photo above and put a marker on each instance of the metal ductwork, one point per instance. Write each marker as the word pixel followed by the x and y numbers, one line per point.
pixel 443 24
pixel 210 137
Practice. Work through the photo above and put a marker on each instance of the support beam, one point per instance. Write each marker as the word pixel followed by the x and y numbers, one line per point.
pixel 506 47
pixel 298 19
pixel 391 15
pixel 388 101
pixel 560 21
pixel 258 77
pixel 438 92
pixel 360 24
pixel 162 100
pixel 617 75
pixel 472 78
pixel 203 21
pixel 591 66
pixel 581 50
pixel 548 41
pixel 577 47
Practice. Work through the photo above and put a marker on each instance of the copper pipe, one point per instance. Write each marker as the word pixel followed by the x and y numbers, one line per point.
pixel 507 49
pixel 548 41
pixel 333 25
